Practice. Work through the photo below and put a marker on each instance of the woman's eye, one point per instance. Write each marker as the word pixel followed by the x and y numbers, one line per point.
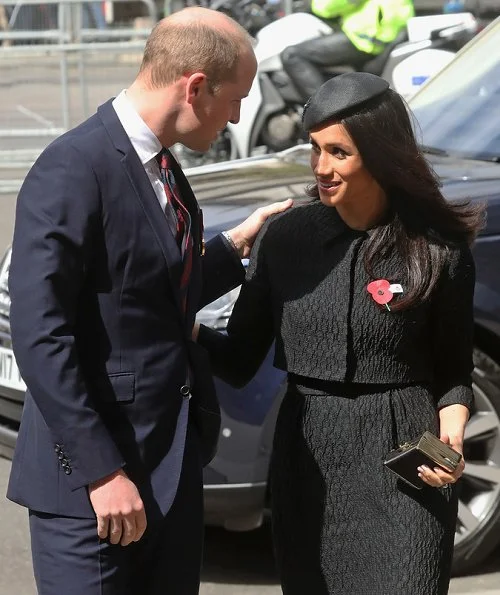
pixel 338 152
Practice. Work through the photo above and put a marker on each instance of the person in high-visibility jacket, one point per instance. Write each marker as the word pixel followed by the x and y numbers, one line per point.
pixel 361 29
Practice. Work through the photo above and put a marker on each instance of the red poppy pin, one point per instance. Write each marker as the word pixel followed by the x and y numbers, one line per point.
pixel 381 292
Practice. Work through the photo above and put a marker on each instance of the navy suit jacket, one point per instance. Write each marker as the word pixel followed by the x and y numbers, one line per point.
pixel 96 320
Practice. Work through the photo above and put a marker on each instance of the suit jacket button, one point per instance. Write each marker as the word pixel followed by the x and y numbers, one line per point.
pixel 185 390
pixel 67 470
pixel 57 448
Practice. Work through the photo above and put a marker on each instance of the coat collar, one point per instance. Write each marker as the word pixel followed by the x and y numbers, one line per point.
pixel 328 224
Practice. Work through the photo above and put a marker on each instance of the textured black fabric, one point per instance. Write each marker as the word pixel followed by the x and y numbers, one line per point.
pixel 342 523
pixel 306 286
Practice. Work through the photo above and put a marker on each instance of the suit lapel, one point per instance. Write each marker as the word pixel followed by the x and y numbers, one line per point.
pixel 146 196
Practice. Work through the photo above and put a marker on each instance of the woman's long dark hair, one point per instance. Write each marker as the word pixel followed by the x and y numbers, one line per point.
pixel 422 223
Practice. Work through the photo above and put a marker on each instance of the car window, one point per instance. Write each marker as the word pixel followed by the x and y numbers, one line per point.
pixel 458 111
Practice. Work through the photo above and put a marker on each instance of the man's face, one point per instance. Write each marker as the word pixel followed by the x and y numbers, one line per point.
pixel 214 109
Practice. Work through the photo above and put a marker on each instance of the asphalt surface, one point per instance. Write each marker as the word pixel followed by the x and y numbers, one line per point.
pixel 235 563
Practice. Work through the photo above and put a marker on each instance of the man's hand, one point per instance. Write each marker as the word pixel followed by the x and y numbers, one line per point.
pixel 119 509
pixel 244 234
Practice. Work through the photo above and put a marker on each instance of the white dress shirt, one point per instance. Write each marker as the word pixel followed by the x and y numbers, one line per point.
pixel 146 144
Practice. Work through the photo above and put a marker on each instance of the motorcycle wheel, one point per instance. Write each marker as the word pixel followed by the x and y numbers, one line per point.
pixel 222 149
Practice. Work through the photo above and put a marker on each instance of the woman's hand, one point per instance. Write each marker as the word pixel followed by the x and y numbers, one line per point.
pixel 452 421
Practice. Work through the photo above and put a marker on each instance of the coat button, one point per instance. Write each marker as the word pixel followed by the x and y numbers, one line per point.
pixel 60 455
pixel 185 390
pixel 57 448
pixel 67 470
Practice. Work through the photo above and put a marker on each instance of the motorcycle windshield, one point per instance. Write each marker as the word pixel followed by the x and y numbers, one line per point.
pixel 458 110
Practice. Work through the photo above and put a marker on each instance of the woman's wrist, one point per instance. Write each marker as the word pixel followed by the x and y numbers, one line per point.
pixel 452 422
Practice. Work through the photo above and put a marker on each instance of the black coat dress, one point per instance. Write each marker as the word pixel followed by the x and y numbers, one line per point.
pixel 362 379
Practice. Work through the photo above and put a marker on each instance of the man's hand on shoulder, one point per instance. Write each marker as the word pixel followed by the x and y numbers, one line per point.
pixel 244 234
pixel 119 508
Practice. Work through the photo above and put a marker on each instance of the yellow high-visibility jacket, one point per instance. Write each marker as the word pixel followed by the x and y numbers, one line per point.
pixel 369 24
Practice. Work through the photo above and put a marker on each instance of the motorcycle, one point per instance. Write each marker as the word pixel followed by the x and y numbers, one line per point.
pixel 271 115
pixel 253 15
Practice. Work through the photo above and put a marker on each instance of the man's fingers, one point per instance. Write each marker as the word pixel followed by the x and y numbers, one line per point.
pixel 129 530
pixel 276 207
pixel 119 509
pixel 115 529
pixel 140 524
pixel 102 527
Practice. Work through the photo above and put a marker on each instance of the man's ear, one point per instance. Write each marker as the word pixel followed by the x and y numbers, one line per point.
pixel 196 84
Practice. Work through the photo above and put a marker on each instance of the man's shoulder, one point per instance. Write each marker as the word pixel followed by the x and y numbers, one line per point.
pixel 88 138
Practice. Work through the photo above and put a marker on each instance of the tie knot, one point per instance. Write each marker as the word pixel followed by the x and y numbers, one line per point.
pixel 163 159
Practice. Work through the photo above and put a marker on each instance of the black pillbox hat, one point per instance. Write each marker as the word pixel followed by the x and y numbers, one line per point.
pixel 340 94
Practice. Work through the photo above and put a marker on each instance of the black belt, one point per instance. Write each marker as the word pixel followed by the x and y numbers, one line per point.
pixel 345 389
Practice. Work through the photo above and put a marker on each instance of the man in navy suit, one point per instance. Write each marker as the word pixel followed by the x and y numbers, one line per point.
pixel 120 413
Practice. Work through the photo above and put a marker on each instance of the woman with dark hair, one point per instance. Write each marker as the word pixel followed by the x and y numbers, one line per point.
pixel 368 292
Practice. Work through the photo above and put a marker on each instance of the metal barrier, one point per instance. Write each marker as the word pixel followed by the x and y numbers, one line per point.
pixel 55 74
pixel 59 60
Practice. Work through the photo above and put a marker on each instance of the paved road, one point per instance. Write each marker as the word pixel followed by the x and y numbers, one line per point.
pixel 235 563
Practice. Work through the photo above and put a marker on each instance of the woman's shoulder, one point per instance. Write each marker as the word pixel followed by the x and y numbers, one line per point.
pixel 284 223
pixel 301 208
pixel 303 218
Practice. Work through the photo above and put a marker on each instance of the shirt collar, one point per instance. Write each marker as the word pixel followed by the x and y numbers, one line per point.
pixel 146 144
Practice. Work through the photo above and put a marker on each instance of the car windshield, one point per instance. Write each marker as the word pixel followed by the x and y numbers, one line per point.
pixel 458 111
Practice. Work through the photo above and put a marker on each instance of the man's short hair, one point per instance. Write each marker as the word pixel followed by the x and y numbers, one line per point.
pixel 174 49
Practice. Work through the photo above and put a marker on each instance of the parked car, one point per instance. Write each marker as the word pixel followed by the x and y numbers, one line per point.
pixel 458 118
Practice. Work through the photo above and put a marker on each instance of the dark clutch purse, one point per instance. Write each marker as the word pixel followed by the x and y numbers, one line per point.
pixel 425 450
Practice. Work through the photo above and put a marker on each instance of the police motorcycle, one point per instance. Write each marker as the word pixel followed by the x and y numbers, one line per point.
pixel 271 115
pixel 253 15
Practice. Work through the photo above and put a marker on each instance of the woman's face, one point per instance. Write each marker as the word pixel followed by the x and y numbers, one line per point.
pixel 343 181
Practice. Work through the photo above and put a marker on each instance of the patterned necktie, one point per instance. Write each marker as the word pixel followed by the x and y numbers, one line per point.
pixel 183 234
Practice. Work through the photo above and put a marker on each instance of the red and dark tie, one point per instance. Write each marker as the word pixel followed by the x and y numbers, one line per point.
pixel 176 211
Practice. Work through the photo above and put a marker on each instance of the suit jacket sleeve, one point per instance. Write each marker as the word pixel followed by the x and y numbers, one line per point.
pixel 236 356
pixel 453 324
pixel 221 270
pixel 57 209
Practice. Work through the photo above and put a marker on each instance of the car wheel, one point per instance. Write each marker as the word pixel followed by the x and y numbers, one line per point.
pixel 478 525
